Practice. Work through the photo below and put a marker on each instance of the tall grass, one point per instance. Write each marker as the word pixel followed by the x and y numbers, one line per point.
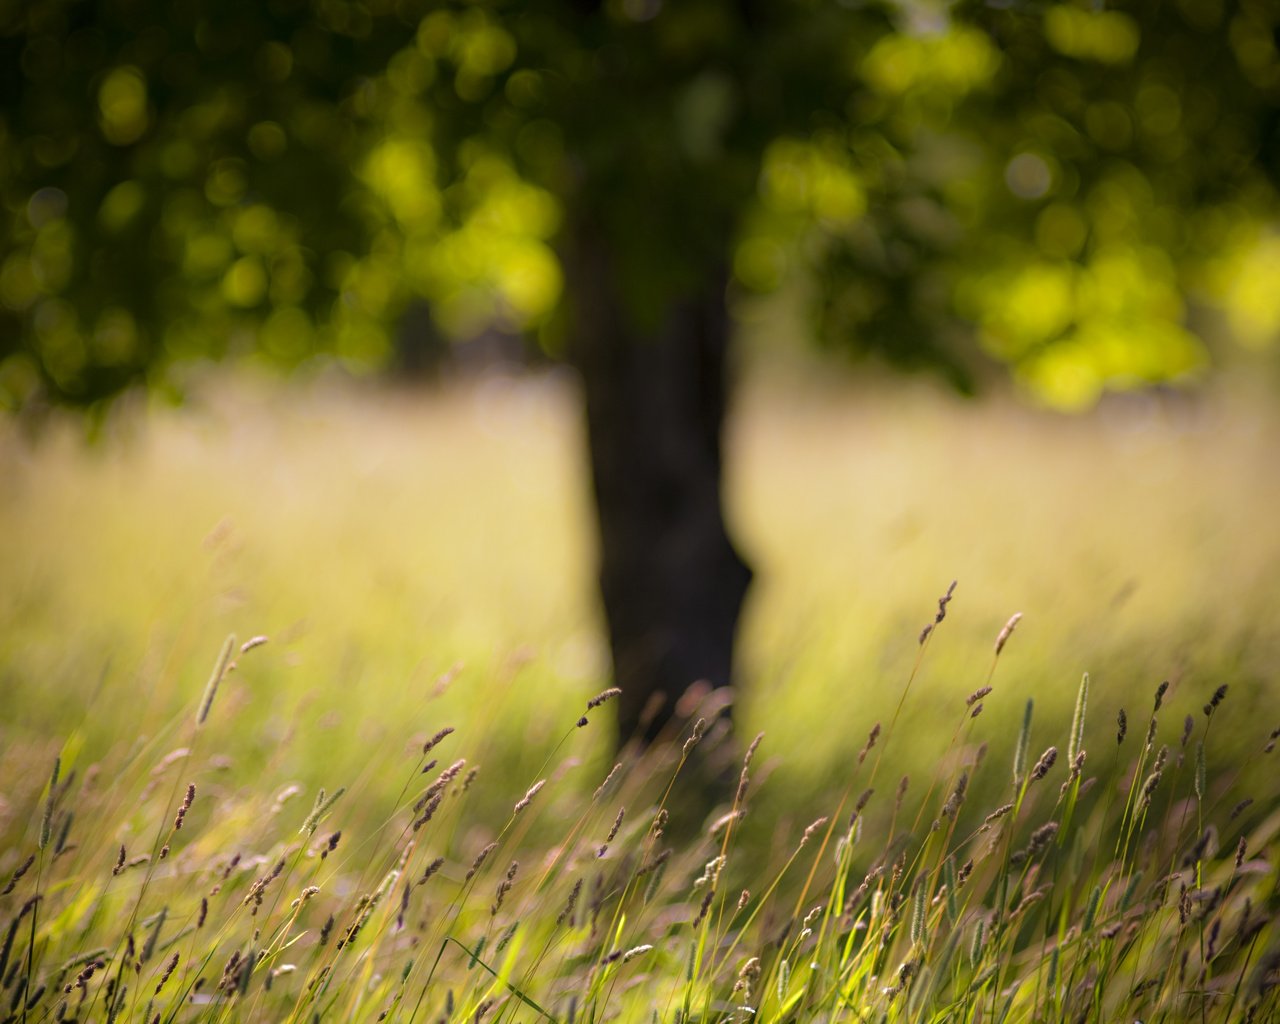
pixel 902 834
pixel 1131 877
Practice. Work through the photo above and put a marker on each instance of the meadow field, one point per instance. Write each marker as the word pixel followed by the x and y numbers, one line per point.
pixel 387 811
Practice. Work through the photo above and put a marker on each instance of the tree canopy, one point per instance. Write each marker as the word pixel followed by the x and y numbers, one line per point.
pixel 1087 194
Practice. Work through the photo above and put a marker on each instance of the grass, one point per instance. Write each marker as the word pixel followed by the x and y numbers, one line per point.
pixel 401 598
pixel 152 887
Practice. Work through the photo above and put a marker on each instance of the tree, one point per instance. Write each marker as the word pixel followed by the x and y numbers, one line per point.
pixel 193 179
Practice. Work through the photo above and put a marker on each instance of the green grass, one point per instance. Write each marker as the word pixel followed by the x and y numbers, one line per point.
pixel 421 564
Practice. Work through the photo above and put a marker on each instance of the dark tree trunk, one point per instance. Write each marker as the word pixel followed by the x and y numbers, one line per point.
pixel 671 580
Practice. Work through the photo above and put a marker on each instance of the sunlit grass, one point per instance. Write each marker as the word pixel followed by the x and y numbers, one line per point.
pixel 423 561
pixel 1137 542
pixel 382 539
pixel 163 883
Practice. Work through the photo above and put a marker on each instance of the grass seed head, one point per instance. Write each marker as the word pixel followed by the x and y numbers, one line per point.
pixel 943 601
pixel 1077 768
pixel 1152 781
pixel 527 799
pixel 603 697
pixel 507 936
pixel 1007 631
pixel 952 805
pixel 722 822
pixel 186 806
pixel 978 946
pixel 215 678
pixel 446 777
pixel 1271 741
pixel 744 776
pixel 431 869
pixel 571 905
pixel 1024 741
pixel 478 863
pixel 699 729
pixel 995 816
pixel 323 805
pixel 1078 717
pixel 169 759
pixel 747 975
pixel 704 907
pixel 901 793
pixel 808 832
pixel 711 873
pixel 504 887
pixel 1091 909
pixel 919 910
pixel 613 774
pixel 617 824
pixel 168 970
pixel 17 875
pixel 1043 765
pixel 1040 839
pixel 871 742
pixel 431 743
pixel 46 820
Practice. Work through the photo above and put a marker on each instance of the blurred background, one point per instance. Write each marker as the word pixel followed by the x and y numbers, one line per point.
pixel 302 303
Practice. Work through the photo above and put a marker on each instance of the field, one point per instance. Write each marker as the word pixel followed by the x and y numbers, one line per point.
pixel 422 562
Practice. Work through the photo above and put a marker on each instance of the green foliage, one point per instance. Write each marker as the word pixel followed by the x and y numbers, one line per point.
pixel 189 180
pixel 1138 158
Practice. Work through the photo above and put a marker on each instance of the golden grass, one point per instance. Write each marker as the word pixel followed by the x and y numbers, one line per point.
pixel 381 538
pixel 421 566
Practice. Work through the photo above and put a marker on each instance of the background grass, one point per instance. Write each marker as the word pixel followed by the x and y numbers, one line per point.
pixel 381 539
pixel 423 561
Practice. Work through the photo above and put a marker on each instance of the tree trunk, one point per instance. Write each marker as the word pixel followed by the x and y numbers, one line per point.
pixel 671 581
